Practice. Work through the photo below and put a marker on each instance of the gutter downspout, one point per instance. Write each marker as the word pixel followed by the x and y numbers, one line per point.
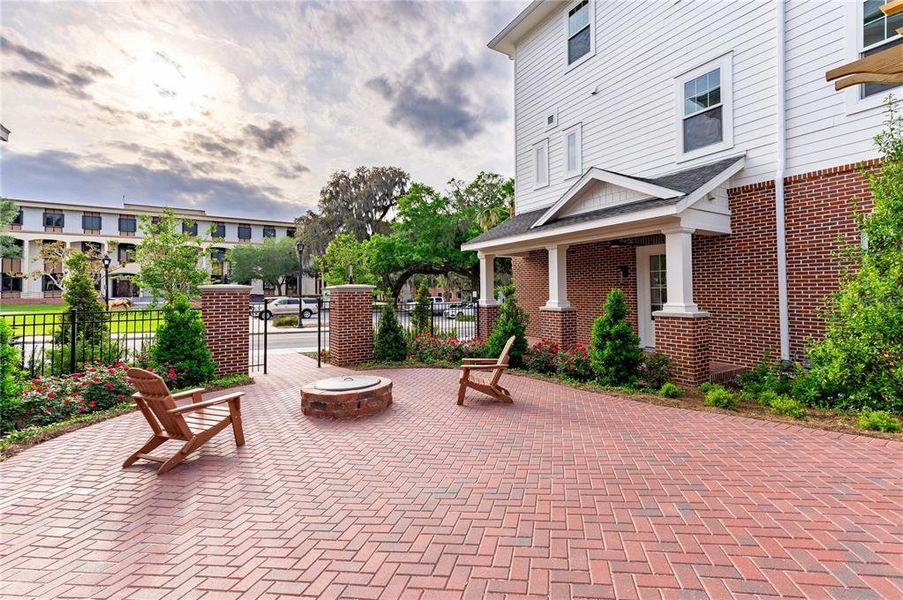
pixel 781 141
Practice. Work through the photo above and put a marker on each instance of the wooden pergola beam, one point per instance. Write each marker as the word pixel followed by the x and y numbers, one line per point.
pixel 883 67
pixel 892 8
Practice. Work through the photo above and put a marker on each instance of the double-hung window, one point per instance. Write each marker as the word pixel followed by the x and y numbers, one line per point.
pixel 879 33
pixel 541 164
pixel 218 230
pixel 244 232
pixel 53 220
pixel 705 108
pixel 91 221
pixel 128 225
pixel 269 232
pixel 580 32
pixel 573 151
pixel 190 227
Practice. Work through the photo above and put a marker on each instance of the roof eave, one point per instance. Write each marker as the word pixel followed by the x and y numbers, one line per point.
pixel 506 40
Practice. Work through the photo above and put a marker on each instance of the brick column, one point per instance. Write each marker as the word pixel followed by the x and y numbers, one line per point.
pixel 487 316
pixel 224 309
pixel 558 325
pixel 684 337
pixel 350 324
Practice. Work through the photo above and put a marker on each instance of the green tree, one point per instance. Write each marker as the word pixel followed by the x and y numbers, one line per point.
pixel 8 212
pixel 614 350
pixel 512 320
pixel 390 343
pixel 10 379
pixel 271 262
pixel 169 259
pixel 180 345
pixel 83 301
pixel 859 364
pixel 345 256
pixel 422 315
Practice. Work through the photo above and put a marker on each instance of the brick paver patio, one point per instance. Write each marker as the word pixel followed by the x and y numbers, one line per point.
pixel 562 494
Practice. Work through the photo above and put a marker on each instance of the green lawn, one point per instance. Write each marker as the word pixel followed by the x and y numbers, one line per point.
pixel 32 308
pixel 42 319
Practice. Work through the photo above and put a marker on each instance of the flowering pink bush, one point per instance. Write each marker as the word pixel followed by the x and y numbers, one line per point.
pixel 541 357
pixel 574 363
pixel 428 348
pixel 51 399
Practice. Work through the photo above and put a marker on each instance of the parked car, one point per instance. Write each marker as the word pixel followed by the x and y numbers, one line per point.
pixel 461 309
pixel 437 304
pixel 289 306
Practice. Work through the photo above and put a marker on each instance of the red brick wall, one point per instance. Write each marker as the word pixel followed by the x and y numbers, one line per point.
pixel 559 326
pixel 224 309
pixel 819 207
pixel 531 286
pixel 486 318
pixel 686 340
pixel 350 324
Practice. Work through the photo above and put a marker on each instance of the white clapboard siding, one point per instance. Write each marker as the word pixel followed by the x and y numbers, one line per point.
pixel 631 124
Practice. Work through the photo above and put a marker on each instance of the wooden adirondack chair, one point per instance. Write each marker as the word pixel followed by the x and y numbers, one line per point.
pixel 193 423
pixel 483 374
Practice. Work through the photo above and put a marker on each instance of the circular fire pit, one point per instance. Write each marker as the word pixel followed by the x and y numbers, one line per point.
pixel 349 396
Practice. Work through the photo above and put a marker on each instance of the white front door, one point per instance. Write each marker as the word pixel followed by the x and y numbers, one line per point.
pixel 652 290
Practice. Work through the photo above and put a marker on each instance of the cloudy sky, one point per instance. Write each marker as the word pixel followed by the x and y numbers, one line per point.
pixel 246 108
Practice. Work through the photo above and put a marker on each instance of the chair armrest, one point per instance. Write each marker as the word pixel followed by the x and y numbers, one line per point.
pixel 466 368
pixel 186 393
pixel 479 361
pixel 200 405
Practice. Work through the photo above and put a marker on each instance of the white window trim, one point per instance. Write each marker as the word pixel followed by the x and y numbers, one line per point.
pixel 854 101
pixel 591 6
pixel 578 130
pixel 726 64
pixel 537 183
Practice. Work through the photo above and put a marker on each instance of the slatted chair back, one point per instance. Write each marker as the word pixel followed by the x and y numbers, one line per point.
pixel 502 362
pixel 154 400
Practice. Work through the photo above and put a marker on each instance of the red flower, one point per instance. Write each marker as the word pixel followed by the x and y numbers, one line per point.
pixel 51 395
pixel 92 404
pixel 109 386
pixel 36 381
pixel 120 397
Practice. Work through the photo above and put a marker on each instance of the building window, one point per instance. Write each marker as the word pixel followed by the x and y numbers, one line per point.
pixel 128 225
pixel 541 164
pixel 290 232
pixel 91 222
pixel 704 98
pixel 218 265
pixel 125 253
pixel 879 33
pixel 53 220
pixel 573 151
pixel 124 287
pixel 16 223
pixel 94 250
pixel 244 232
pixel 580 32
pixel 269 232
pixel 190 227
pixel 218 230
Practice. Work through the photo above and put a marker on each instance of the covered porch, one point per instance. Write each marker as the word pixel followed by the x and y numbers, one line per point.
pixel 611 230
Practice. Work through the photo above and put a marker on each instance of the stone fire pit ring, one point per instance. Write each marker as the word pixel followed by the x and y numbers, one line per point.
pixel 346 396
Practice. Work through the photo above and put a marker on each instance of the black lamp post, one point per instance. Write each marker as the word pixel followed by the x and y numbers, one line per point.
pixel 106 279
pixel 299 247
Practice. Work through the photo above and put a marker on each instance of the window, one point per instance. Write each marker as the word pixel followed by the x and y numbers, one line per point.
pixel 124 253
pixel 573 151
pixel 53 220
pixel 94 250
pixel 244 232
pixel 190 227
pixel 218 266
pixel 269 232
pixel 127 224
pixel 878 33
pixel 541 164
pixel 579 32
pixel 218 255
pixel 290 232
pixel 658 286
pixel 705 109
pixel 91 222
pixel 17 220
pixel 218 230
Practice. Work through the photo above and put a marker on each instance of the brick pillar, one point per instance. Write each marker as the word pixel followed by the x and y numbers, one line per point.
pixel 487 316
pixel 224 309
pixel 350 324
pixel 685 339
pixel 558 325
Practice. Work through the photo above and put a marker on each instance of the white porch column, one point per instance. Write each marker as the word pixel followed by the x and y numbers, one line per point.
pixel 558 277
pixel 679 265
pixel 28 282
pixel 487 279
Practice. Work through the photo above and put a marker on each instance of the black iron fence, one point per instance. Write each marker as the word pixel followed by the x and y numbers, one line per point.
pixel 257 336
pixel 62 342
pixel 448 319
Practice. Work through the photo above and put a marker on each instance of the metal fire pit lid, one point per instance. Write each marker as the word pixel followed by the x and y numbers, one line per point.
pixel 341 384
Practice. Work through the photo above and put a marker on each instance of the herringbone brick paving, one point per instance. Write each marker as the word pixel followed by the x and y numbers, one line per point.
pixel 563 494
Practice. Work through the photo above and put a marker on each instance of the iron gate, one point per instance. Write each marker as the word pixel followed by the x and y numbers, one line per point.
pixel 257 336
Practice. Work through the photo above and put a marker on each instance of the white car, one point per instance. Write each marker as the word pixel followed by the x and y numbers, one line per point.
pixel 289 306
pixel 437 305
pixel 463 309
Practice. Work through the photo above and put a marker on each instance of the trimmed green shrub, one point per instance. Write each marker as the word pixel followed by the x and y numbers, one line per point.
pixel 285 321
pixel 542 357
pixel 655 371
pixel 10 379
pixel 512 321
pixel 428 348
pixel 782 405
pixel 670 390
pixel 180 354
pixel 573 363
pixel 389 343
pixel 878 420
pixel 614 350
pixel 769 375
pixel 82 298
pixel 422 315
pixel 705 386
pixel 721 398
pixel 767 397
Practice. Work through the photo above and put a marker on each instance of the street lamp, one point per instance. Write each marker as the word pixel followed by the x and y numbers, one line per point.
pixel 106 260
pixel 299 247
